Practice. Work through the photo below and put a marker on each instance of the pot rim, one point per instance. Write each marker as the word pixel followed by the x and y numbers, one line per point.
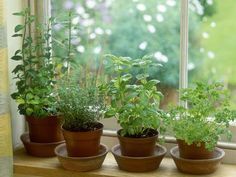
pixel 102 126
pixel 140 158
pixel 146 138
pixel 221 151
pixel 81 158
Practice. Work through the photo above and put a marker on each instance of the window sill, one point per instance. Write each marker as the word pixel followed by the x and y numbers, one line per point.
pixel 28 166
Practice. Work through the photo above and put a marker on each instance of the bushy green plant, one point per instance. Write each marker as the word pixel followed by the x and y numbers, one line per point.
pixel 35 69
pixel 81 107
pixel 207 116
pixel 134 100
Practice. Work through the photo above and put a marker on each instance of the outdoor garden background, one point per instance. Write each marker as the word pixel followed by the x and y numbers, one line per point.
pixel 139 27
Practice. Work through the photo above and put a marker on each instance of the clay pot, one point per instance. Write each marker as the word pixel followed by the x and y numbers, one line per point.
pixel 45 130
pixel 80 164
pixel 197 166
pixel 39 149
pixel 83 144
pixel 193 151
pixel 137 147
pixel 139 164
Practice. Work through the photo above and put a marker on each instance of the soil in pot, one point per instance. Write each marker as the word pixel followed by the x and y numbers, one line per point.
pixel 138 146
pixel 45 130
pixel 194 151
pixel 83 143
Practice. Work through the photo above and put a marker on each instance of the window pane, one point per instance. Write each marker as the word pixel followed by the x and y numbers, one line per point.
pixel 131 28
pixel 217 48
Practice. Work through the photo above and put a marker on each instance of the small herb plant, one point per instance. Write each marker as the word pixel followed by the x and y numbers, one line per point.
pixel 81 106
pixel 206 118
pixel 134 100
pixel 35 69
pixel 80 102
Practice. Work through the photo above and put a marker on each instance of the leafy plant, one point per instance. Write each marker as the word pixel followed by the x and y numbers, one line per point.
pixel 35 69
pixel 134 99
pixel 207 116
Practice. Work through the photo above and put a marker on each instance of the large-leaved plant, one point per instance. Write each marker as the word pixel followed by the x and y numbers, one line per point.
pixel 134 98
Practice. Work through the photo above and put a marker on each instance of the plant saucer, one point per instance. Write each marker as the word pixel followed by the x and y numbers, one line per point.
pixel 139 164
pixel 201 166
pixel 39 149
pixel 81 164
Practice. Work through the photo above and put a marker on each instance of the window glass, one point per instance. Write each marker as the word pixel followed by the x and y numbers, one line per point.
pixel 217 44
pixel 131 28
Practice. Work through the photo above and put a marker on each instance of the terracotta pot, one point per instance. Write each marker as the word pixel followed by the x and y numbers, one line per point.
pixel 45 130
pixel 137 147
pixel 139 164
pixel 83 144
pixel 193 151
pixel 197 166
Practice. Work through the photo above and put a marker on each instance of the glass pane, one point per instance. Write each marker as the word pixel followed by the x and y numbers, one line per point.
pixel 131 28
pixel 217 48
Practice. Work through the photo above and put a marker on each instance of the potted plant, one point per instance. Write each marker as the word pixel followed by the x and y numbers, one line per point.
pixel 199 126
pixel 134 101
pixel 81 106
pixel 35 77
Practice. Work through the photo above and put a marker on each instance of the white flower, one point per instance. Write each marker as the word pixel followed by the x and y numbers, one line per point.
pixel 211 54
pixel 196 6
pixel 147 18
pixel 202 50
pixel 75 41
pixel 205 35
pixel 68 5
pixel 159 18
pixel 213 24
pixel 108 31
pixel 160 57
pixel 91 4
pixel 99 31
pixel 141 7
pixel 161 8
pixel 85 15
pixel 151 28
pixel 191 66
pixel 87 22
pixel 97 50
pixel 171 3
pixel 209 2
pixel 80 49
pixel 80 10
pixel 74 32
pixel 57 26
pixel 75 20
pixel 143 45
pixel 92 36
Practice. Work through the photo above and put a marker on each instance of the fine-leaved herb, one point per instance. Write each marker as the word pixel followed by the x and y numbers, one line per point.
pixel 207 116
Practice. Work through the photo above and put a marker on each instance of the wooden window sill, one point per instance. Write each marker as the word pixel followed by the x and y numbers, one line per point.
pixel 28 166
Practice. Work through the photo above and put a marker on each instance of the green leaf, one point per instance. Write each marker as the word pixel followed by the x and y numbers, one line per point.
pixel 18 13
pixel 18 28
pixel 17 52
pixel 16 57
pixel 17 35
pixel 29 111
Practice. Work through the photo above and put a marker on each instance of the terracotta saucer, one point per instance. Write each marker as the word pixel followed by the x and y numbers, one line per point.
pixel 39 149
pixel 139 164
pixel 193 166
pixel 81 163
